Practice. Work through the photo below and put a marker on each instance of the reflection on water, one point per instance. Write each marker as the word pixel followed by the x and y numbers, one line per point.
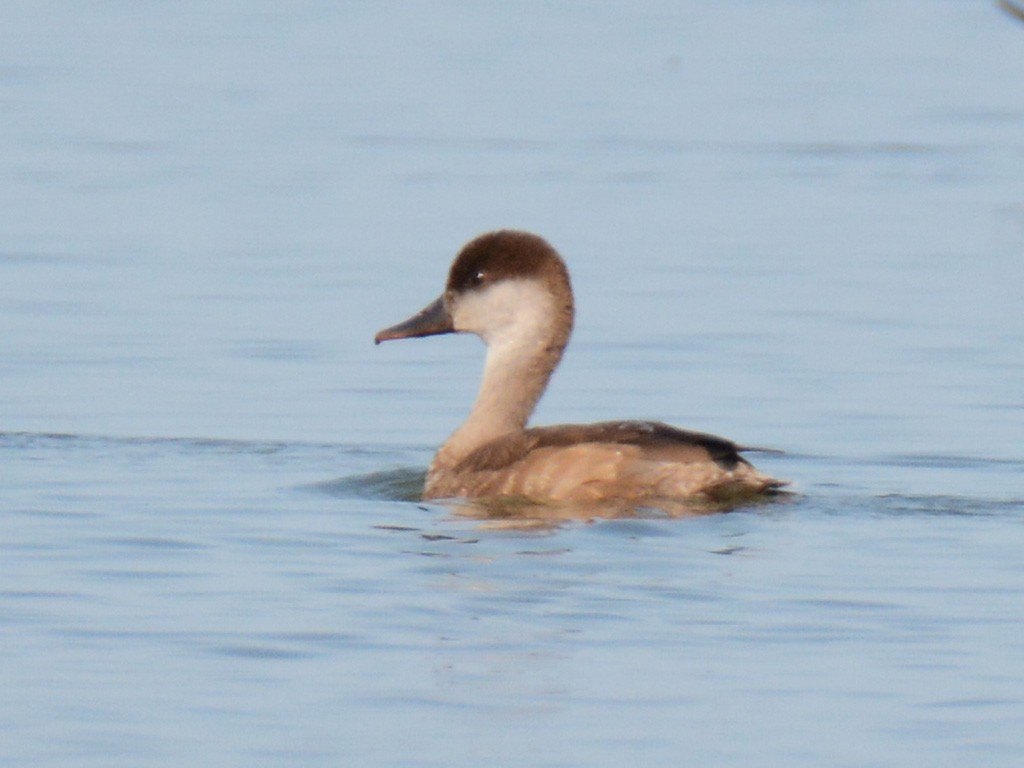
pixel 515 513
pixel 406 484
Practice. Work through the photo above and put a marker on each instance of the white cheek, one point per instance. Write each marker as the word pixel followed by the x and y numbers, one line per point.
pixel 506 311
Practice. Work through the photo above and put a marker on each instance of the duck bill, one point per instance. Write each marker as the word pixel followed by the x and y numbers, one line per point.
pixel 429 321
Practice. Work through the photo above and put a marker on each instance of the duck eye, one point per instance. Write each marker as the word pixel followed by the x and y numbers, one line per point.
pixel 477 278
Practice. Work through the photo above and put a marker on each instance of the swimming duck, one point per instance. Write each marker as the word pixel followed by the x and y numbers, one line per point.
pixel 512 289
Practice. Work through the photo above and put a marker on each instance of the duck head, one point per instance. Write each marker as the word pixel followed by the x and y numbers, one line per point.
pixel 506 287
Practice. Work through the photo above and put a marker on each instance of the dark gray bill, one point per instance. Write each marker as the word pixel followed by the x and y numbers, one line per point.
pixel 429 321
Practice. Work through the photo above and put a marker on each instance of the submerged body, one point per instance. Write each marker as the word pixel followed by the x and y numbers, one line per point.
pixel 512 289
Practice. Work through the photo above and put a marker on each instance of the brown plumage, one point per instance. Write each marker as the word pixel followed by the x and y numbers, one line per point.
pixel 513 290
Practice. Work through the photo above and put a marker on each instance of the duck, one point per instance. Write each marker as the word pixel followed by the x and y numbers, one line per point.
pixel 512 289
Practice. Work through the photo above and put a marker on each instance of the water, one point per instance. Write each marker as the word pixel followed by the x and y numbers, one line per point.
pixel 793 224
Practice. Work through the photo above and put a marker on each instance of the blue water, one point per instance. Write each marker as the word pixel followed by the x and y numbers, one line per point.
pixel 799 225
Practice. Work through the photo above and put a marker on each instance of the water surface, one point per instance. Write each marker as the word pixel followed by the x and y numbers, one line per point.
pixel 793 224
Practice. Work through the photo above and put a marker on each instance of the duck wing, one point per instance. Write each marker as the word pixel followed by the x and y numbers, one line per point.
pixel 655 440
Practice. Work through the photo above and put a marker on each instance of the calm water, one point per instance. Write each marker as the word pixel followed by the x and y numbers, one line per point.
pixel 796 224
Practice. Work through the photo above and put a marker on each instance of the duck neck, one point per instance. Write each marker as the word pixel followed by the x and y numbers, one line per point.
pixel 516 373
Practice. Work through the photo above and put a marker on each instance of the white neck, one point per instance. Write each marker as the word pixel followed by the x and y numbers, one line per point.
pixel 522 353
